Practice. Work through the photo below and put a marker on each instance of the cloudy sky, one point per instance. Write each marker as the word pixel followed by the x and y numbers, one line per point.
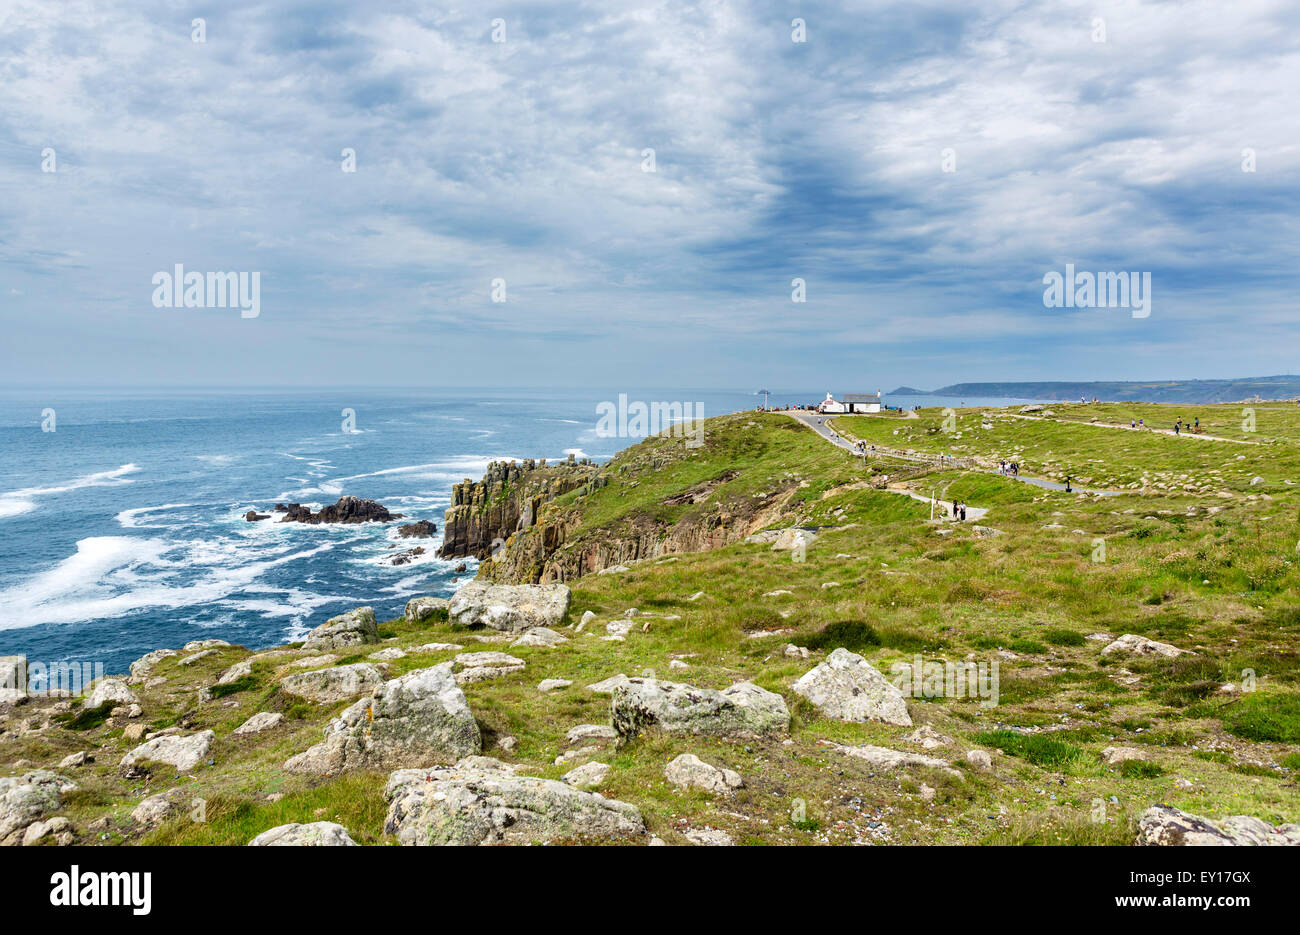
pixel 523 160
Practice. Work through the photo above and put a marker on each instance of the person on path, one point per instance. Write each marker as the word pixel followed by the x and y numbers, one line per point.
pixel 963 512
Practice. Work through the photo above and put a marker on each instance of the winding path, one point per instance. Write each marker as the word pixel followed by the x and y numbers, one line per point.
pixel 819 424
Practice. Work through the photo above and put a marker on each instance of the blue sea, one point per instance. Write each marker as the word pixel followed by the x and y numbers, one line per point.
pixel 123 530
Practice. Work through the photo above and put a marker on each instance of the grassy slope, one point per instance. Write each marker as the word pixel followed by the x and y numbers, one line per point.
pixel 1223 584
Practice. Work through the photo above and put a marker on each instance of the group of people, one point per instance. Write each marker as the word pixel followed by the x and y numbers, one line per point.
pixel 1194 426
pixel 1009 468
pixel 959 511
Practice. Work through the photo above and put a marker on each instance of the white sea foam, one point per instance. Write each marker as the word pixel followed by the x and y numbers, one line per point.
pixel 109 576
pixel 17 502
pixel 130 519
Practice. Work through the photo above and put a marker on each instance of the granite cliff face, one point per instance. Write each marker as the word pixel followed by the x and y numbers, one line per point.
pixel 541 541
pixel 508 499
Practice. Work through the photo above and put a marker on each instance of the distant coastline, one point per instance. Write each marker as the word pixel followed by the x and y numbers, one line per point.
pixel 1281 387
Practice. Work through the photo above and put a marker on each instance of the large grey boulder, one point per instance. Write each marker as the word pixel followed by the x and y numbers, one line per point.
pixel 1132 644
pixel 510 607
pixel 420 609
pixel 326 686
pixel 143 667
pixel 885 759
pixel 24 800
pixel 479 667
pixel 484 802
pixel 183 751
pixel 419 719
pixel 743 710
pixel 261 721
pixel 690 772
pixel 114 690
pixel 355 628
pixel 316 834
pixel 848 688
pixel 1166 826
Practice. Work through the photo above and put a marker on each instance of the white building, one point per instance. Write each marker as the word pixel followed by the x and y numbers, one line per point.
pixel 852 402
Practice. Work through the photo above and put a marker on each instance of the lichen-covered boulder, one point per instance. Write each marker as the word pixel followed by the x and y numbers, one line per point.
pixel 355 628
pixel 485 802
pixel 743 710
pixel 142 668
pixel 23 800
pixel 114 690
pixel 510 607
pixel 418 719
pixel 1134 645
pixel 1166 826
pixel 420 609
pixel 315 834
pixel 183 751
pixel 848 688
pixel 690 772
pixel 326 686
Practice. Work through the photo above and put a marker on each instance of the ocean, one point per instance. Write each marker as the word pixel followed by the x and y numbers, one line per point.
pixel 122 512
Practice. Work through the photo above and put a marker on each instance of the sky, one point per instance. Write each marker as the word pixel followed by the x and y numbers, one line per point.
pixel 919 166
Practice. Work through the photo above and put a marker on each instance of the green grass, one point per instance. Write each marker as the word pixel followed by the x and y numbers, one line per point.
pixel 1039 749
pixel 1265 717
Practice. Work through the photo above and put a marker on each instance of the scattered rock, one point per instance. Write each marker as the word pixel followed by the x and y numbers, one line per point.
pixel 389 654
pixel 488 804
pixel 438 647
pixel 58 828
pixel 550 685
pixel 354 628
pixel 236 672
pixel 262 721
pixel 607 686
pixel 927 737
pixel 422 529
pixel 326 686
pixel 316 834
pixel 849 688
pixel 709 837
pixel 793 538
pixel 417 719
pixel 540 636
pixel 183 751
pixel 690 772
pixel 588 776
pixel 743 710
pixel 1165 826
pixel 24 800
pixel 1136 645
pixel 510 607
pixel 153 810
pixel 479 667
pixel 114 690
pixel 72 759
pixel 346 510
pixel 420 609
pixel 885 759
pixel 979 759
